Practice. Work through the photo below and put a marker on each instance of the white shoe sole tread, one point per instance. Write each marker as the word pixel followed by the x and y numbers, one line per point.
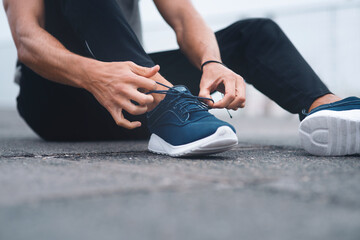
pixel 331 133
pixel 222 140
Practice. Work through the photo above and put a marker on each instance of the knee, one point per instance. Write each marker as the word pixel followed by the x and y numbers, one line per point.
pixel 43 126
pixel 262 26
pixel 264 21
pixel 264 33
pixel 52 134
pixel 267 26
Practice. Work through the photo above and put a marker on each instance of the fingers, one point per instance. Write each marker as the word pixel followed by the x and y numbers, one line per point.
pixel 234 90
pixel 136 91
pixel 240 96
pixel 145 83
pixel 205 93
pixel 131 108
pixel 134 109
pixel 230 95
pixel 144 71
pixel 123 122
pixel 127 124
pixel 119 83
pixel 140 98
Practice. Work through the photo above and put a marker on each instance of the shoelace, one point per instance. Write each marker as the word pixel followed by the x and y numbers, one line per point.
pixel 305 112
pixel 188 102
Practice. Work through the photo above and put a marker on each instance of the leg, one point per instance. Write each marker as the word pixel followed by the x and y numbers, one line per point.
pixel 104 31
pixel 59 112
pixel 175 66
pixel 258 50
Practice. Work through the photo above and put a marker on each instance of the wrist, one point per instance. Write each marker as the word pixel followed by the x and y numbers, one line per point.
pixel 85 71
pixel 210 62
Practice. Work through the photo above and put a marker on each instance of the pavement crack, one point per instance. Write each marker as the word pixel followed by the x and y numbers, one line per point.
pixel 73 156
pixel 79 156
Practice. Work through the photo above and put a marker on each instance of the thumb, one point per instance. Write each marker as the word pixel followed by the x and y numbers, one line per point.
pixel 145 71
pixel 205 93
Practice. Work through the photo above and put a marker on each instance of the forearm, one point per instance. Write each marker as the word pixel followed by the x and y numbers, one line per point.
pixel 46 56
pixel 198 41
pixel 38 49
pixel 194 37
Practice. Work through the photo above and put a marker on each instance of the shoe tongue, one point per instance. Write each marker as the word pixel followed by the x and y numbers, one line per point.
pixel 176 89
pixel 181 88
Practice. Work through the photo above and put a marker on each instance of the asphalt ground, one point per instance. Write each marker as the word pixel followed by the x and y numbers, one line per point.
pixel 265 188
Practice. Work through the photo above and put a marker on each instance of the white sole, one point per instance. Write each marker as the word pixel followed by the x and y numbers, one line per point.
pixel 222 140
pixel 331 133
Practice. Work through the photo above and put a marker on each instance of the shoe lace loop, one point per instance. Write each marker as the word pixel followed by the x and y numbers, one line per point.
pixel 187 102
pixel 305 112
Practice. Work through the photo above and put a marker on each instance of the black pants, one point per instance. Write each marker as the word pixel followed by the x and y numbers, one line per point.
pixel 256 49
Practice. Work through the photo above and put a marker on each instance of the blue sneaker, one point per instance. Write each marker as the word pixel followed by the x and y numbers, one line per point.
pixel 182 126
pixel 332 129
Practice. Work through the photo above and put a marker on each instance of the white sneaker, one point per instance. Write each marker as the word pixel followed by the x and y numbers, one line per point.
pixel 332 129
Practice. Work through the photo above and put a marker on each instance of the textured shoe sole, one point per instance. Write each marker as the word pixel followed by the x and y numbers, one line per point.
pixel 331 133
pixel 222 140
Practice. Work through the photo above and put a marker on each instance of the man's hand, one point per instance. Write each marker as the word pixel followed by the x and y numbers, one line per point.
pixel 116 84
pixel 217 77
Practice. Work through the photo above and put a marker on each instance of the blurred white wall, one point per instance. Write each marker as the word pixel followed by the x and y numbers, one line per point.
pixel 326 32
pixel 8 90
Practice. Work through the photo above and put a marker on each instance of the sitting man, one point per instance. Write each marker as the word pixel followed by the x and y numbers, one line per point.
pixel 84 75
